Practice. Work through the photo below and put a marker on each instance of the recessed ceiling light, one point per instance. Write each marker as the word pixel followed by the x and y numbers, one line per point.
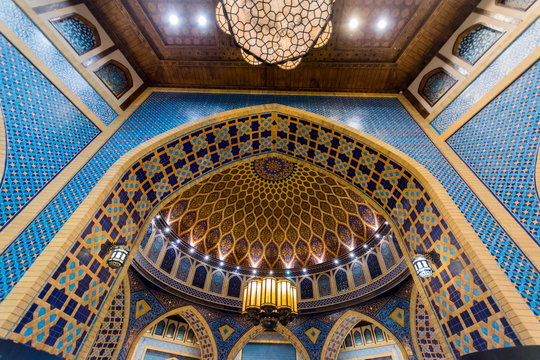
pixel 353 23
pixel 254 271
pixel 173 19
pixel 365 246
pixel 221 263
pixel 304 270
pixel 382 24
pixel 201 20
pixel 351 255
pixel 336 261
pixel 271 272
pixel 206 257
pixel 191 250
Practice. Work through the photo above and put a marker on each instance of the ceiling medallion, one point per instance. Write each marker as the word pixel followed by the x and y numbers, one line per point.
pixel 276 32
pixel 273 169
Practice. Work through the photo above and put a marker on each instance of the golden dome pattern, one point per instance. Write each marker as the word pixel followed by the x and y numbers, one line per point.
pixel 272 213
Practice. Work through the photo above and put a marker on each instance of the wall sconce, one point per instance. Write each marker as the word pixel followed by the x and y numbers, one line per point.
pixel 118 257
pixel 422 266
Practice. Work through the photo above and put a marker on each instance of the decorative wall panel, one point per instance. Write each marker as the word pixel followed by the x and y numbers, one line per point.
pixel 524 45
pixel 25 29
pixel 475 41
pixel 116 77
pixel 427 340
pixel 80 33
pixel 385 181
pixel 44 131
pixel 435 84
pixel 500 144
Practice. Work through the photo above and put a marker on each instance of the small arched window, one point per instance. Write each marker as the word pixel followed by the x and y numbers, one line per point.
pixel 181 333
pixel 342 283
pixel 474 42
pixel 182 272
pixel 324 286
pixel 435 84
pixel 368 336
pixel 190 336
pixel 379 335
pixel 348 341
pixel 358 338
pixel 168 260
pixel 387 255
pixel 200 277
pixel 216 285
pixel 160 328
pixel 235 285
pixel 306 289
pixel 146 237
pixel 170 331
pixel 358 274
pixel 157 245
pixel 373 266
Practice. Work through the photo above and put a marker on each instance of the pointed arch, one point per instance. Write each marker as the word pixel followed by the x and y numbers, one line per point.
pixel 343 327
pixel 257 330
pixel 196 322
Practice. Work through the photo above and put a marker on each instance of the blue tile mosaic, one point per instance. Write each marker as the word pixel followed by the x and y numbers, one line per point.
pixel 25 29
pixel 44 131
pixel 476 42
pixel 524 45
pixel 500 144
pixel 517 4
pixel 384 118
pixel 435 85
pixel 78 32
pixel 115 76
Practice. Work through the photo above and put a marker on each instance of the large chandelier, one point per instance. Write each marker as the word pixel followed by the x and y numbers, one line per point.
pixel 276 32
pixel 268 301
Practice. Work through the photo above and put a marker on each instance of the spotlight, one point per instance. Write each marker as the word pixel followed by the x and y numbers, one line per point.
pixel 365 246
pixel 353 23
pixel 382 24
pixel 201 20
pixel 377 236
pixel 206 257
pixel 254 272
pixel 191 250
pixel 158 216
pixel 336 261
pixel 304 270
pixel 271 272
pixel 386 223
pixel 167 229
pixel 221 263
pixel 238 268
pixel 173 19
pixel 351 255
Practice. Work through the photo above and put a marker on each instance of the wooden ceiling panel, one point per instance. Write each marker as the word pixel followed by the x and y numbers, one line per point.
pixel 366 59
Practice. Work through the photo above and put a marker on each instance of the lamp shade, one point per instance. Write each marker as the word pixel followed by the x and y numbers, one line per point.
pixel 269 292
pixel 422 267
pixel 117 258
pixel 252 294
pixel 284 296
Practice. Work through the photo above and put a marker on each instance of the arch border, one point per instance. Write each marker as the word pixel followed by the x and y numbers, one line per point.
pixel 186 312
pixel 257 330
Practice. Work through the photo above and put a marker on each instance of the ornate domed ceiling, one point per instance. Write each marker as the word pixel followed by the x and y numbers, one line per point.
pixel 272 213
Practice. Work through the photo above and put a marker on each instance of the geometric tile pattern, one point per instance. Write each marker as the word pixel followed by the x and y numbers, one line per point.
pixel 312 333
pixel 380 178
pixel 426 338
pixel 384 118
pixel 115 77
pixel 500 144
pixel 44 131
pixel 226 331
pixel 110 334
pixel 476 42
pixel 435 84
pixel 80 33
pixel 305 219
pixel 522 46
pixel 29 33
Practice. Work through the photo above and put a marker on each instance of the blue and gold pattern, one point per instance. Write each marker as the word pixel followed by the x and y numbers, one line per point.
pixel 475 41
pixel 111 332
pixel 273 169
pixel 78 32
pixel 29 33
pixel 500 144
pixel 514 54
pixel 44 131
pixel 116 77
pixel 435 84
pixel 426 338
pixel 456 291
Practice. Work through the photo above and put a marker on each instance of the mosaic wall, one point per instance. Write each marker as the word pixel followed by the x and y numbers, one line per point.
pixel 78 32
pixel 111 333
pixel 372 271
pixel 149 302
pixel 500 144
pixel 474 43
pixel 435 84
pixel 456 288
pixel 44 131
pixel 524 45
pixel 427 341
pixel 271 213
pixel 27 31
pixel 116 77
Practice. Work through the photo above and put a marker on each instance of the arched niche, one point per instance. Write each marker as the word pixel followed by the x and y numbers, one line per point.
pixel 257 330
pixel 195 321
pixel 343 327
pixel 392 179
